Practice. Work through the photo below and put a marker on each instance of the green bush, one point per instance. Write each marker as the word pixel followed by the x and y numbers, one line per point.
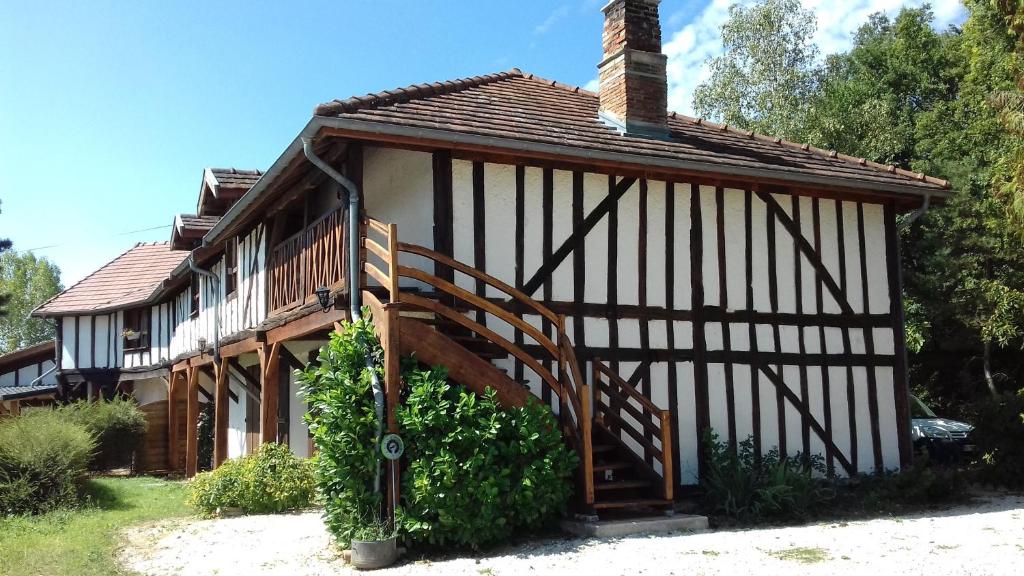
pixel 118 426
pixel 43 461
pixel 270 481
pixel 923 482
pixel 473 472
pixel 999 435
pixel 342 421
pixel 738 485
pixel 476 471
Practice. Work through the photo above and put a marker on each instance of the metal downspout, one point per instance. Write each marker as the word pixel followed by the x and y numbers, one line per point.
pixel 919 212
pixel 354 296
pixel 216 309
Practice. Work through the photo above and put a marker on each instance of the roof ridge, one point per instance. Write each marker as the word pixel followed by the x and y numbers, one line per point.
pixel 813 150
pixel 557 84
pixel 404 94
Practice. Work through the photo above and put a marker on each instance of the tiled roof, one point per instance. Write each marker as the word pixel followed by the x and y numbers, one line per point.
pixel 189 228
pixel 131 278
pixel 235 178
pixel 27 356
pixel 20 392
pixel 514 105
pixel 222 187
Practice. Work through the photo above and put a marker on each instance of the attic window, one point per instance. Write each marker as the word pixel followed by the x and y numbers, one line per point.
pixel 135 332
pixel 230 267
pixel 193 293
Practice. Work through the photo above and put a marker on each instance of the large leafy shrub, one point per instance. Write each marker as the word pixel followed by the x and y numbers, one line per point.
pixel 477 471
pixel 118 426
pixel 473 471
pixel 739 485
pixel 999 435
pixel 271 480
pixel 43 461
pixel 342 421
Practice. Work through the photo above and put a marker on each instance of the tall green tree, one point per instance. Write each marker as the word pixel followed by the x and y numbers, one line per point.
pixel 767 71
pixel 28 281
pixel 920 98
pixel 5 245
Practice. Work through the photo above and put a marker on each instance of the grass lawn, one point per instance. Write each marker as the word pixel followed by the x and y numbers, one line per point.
pixel 83 542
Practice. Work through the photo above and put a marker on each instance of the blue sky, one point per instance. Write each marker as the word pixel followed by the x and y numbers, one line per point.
pixel 110 110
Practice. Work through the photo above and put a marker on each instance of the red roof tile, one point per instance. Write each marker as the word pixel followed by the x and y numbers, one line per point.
pixel 523 107
pixel 131 278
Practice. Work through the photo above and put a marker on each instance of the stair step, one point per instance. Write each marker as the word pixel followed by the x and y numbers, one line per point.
pixel 638 503
pixel 622 484
pixel 602 448
pixel 613 466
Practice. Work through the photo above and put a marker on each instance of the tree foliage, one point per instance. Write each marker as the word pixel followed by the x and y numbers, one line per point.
pixel 27 281
pixel 945 102
pixel 767 71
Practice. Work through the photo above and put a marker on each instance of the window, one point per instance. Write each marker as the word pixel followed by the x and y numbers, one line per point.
pixel 193 292
pixel 230 267
pixel 136 329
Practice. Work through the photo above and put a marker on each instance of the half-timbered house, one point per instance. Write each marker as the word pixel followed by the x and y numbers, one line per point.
pixel 648 275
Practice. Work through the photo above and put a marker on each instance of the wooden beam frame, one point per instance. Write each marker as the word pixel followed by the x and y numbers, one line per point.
pixel 220 419
pixel 192 424
pixel 269 389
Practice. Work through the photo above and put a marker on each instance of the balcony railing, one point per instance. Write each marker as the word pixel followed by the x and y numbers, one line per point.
pixel 306 260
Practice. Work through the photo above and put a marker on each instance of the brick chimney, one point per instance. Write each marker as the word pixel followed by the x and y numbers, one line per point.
pixel 633 83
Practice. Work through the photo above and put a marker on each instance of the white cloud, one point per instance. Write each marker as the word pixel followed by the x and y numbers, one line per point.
pixel 690 47
pixel 553 18
pixel 592 85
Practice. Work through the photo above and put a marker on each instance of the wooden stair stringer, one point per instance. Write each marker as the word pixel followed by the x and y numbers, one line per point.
pixel 465 367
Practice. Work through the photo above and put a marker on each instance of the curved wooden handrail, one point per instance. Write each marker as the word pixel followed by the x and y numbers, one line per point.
pixel 625 388
pixel 467 296
pixel 482 330
pixel 487 279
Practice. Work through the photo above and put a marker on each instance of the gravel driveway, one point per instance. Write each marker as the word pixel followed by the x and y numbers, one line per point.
pixel 986 537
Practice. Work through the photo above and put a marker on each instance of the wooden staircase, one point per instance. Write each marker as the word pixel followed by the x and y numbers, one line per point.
pixel 623 439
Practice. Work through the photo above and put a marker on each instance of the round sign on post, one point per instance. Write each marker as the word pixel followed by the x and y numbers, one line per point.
pixel 392 447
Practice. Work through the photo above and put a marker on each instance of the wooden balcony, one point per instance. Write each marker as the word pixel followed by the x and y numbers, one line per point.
pixel 313 257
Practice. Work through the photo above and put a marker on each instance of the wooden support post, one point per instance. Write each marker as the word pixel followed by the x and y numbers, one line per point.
pixel 220 419
pixel 192 424
pixel 172 420
pixel 16 407
pixel 270 362
pixel 666 455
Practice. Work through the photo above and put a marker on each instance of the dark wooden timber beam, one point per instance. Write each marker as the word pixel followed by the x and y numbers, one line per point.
pixel 499 155
pixel 192 422
pixel 578 236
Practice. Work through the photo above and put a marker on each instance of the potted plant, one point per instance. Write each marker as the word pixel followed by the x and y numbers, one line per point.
pixel 130 335
pixel 374 545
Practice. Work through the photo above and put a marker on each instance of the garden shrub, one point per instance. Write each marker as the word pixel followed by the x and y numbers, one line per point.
pixel 473 471
pixel 342 421
pixel 741 486
pixel 999 436
pixel 477 472
pixel 118 426
pixel 271 480
pixel 923 482
pixel 43 462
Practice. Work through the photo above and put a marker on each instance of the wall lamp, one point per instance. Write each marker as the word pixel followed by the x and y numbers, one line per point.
pixel 323 295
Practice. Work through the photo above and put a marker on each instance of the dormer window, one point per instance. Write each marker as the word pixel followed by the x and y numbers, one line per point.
pixel 230 267
pixel 135 332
